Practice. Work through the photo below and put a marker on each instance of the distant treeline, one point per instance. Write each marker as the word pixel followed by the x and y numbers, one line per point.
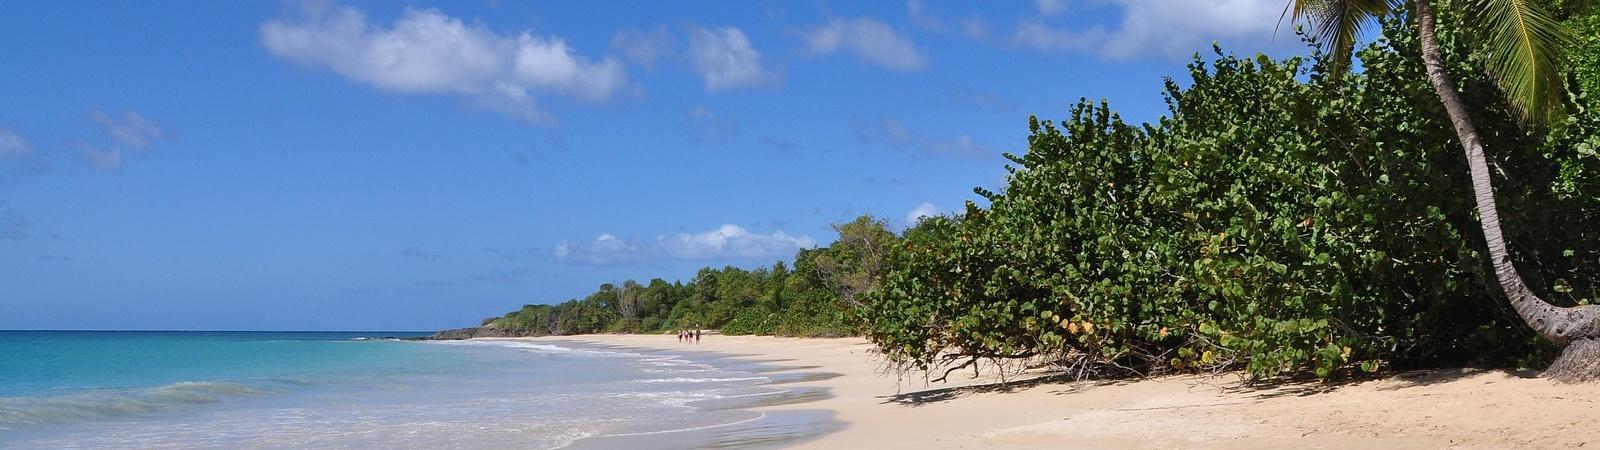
pixel 814 295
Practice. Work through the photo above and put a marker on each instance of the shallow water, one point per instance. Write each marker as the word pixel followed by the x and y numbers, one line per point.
pixel 319 390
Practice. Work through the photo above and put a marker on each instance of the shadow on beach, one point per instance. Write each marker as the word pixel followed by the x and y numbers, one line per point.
pixel 1228 383
pixel 1303 386
pixel 929 396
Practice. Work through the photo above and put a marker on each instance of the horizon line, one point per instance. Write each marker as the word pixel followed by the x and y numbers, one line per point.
pixel 215 331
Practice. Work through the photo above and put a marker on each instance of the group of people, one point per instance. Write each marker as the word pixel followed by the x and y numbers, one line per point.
pixel 689 336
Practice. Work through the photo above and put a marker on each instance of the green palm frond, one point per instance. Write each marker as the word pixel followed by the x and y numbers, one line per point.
pixel 1338 23
pixel 1524 44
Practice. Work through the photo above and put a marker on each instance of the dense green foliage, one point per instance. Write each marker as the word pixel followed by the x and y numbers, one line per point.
pixel 1584 57
pixel 813 298
pixel 1272 221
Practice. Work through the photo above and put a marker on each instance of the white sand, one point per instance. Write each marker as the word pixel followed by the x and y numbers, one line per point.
pixel 1452 408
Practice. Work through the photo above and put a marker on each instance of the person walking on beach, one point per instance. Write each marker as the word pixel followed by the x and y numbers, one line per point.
pixel 697 336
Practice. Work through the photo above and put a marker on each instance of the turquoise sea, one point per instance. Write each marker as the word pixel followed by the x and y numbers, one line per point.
pixel 340 390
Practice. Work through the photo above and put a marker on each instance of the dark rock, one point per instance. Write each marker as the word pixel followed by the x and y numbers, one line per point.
pixel 475 332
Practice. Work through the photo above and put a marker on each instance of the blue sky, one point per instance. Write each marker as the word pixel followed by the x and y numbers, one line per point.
pixel 393 166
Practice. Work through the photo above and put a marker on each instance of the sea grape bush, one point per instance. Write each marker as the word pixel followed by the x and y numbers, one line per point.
pixel 1278 219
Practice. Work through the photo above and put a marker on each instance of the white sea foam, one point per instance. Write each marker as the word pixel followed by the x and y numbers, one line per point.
pixel 540 348
pixel 774 391
pixel 674 361
pixel 673 364
pixel 699 380
pixel 669 398
pixel 759 416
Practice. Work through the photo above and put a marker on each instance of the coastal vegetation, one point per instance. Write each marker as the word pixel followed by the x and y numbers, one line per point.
pixel 814 295
pixel 1284 216
pixel 1520 46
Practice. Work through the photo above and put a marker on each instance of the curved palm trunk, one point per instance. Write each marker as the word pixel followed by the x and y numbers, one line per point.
pixel 1576 329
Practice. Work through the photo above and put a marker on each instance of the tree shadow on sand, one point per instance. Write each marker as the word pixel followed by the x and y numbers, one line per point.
pixel 929 396
pixel 1225 383
pixel 1305 385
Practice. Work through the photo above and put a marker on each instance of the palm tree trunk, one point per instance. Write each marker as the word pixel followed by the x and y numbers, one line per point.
pixel 1576 329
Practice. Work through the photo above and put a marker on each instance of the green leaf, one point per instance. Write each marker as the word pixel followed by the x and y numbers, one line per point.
pixel 1525 46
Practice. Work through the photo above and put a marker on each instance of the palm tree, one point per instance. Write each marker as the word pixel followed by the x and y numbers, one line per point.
pixel 1523 44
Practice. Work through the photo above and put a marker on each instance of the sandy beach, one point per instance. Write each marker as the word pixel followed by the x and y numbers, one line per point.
pixel 1445 408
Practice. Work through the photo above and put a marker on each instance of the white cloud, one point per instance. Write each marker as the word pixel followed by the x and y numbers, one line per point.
pixel 643 47
pixel 892 132
pixel 921 211
pixel 512 100
pixel 1164 28
pixel 1051 7
pixel 547 63
pixel 1036 34
pixel 960 145
pixel 896 133
pixel 108 159
pixel 731 241
pixel 974 28
pixel 711 128
pixel 425 51
pixel 13 146
pixel 128 131
pixel 1182 28
pixel 728 242
pixel 131 130
pixel 725 58
pixel 920 17
pixel 868 39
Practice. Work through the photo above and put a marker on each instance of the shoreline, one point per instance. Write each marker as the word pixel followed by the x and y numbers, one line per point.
pixel 1427 409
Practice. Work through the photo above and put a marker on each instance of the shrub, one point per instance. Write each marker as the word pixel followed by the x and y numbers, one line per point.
pixel 1276 220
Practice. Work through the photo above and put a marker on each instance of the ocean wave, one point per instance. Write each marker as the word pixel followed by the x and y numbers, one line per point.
pixel 673 361
pixel 773 391
pixel 669 398
pixel 106 404
pixel 698 380
pixel 540 348
pixel 677 371
pixel 676 365
pixel 760 415
pixel 376 339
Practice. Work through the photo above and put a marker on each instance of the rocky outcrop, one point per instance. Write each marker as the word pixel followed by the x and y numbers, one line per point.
pixel 476 332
